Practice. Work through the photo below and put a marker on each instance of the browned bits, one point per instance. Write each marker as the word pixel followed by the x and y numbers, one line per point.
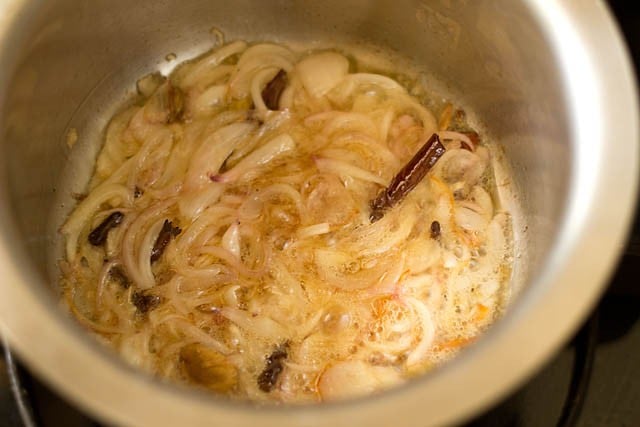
pixel 273 90
pixel 164 237
pixel 99 234
pixel 408 177
pixel 137 192
pixel 273 368
pixel 145 302
pixel 118 275
pixel 435 230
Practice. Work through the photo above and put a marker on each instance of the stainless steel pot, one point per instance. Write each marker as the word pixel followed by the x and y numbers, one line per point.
pixel 550 80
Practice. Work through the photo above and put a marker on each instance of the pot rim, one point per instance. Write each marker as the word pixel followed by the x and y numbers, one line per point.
pixel 599 97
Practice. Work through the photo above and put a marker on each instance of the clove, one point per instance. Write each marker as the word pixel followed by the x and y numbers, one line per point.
pixel 99 234
pixel 273 368
pixel 164 237
pixel 435 230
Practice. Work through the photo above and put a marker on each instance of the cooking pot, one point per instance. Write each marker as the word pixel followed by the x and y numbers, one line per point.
pixel 549 80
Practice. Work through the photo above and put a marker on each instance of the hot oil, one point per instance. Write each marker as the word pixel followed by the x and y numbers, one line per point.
pixel 89 143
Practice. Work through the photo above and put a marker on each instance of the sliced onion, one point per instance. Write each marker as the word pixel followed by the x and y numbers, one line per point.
pixel 384 235
pixel 345 271
pixel 289 285
pixel 130 242
pixel 85 210
pixel 258 83
pixel 313 230
pixel 289 93
pixel 321 72
pixel 213 76
pixel 460 165
pixel 120 175
pixel 385 124
pixel 264 49
pixel 272 123
pixel 231 239
pixel 102 280
pixel 215 218
pixel 191 205
pixel 344 169
pixel 231 260
pixel 354 378
pixel 483 200
pixel 134 348
pixel 334 121
pixel 231 297
pixel 150 160
pixel 341 122
pixel 261 156
pixel 351 82
pixel 254 60
pixel 146 279
pixel 260 325
pixel 208 159
pixel 115 150
pixel 470 219
pixel 373 147
pixel 279 191
pixel 187 328
pixel 208 100
pixel 210 61
pixel 422 254
pixel 215 273
pixel 490 264
pixel 456 136
pixel 427 328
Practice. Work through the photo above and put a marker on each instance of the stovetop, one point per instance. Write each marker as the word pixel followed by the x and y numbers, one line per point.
pixel 593 381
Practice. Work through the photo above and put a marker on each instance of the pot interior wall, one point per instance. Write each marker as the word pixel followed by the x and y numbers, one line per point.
pixel 72 63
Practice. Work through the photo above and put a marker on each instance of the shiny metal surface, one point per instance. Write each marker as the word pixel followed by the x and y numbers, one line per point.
pixel 549 80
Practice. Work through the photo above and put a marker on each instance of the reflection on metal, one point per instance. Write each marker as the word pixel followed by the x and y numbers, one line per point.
pixel 19 392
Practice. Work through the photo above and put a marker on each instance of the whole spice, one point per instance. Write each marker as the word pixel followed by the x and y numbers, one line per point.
pixel 435 229
pixel 164 237
pixel 408 177
pixel 99 234
pixel 273 368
